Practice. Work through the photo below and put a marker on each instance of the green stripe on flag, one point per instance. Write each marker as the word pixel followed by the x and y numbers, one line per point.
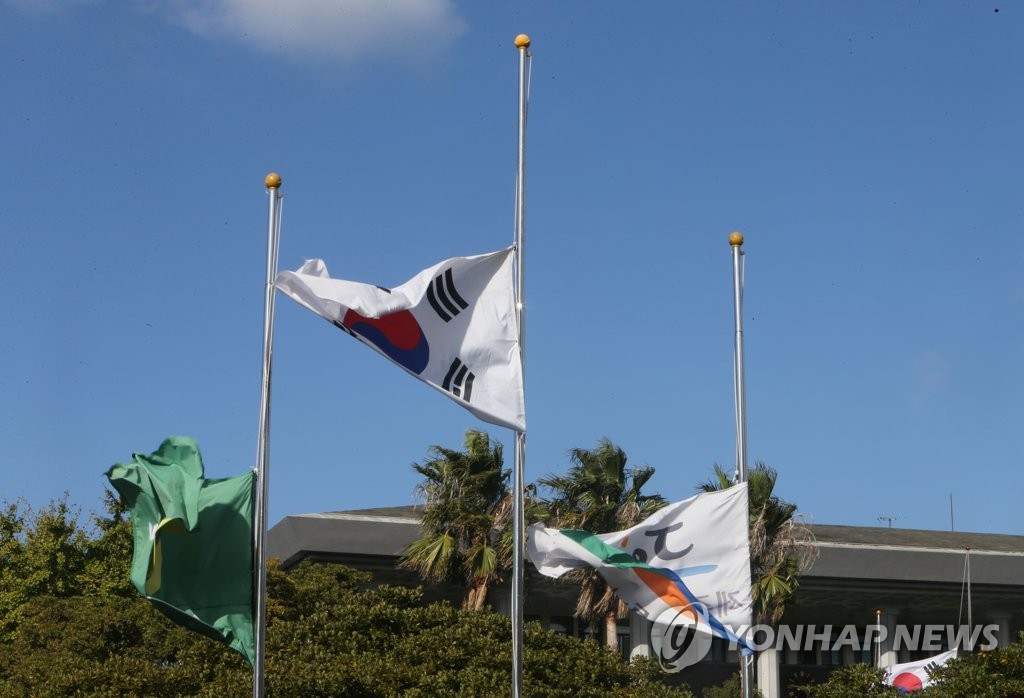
pixel 608 554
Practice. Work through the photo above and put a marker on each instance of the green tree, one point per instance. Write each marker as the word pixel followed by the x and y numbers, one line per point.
pixel 330 633
pixel 74 624
pixel 730 688
pixel 599 494
pixel 109 557
pixel 854 681
pixel 997 673
pixel 466 516
pixel 42 552
pixel 345 639
pixel 780 548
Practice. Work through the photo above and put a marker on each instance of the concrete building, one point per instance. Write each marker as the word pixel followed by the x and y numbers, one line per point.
pixel 910 582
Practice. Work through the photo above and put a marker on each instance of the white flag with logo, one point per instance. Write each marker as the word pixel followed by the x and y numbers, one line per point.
pixel 453 326
pixel 913 676
pixel 691 558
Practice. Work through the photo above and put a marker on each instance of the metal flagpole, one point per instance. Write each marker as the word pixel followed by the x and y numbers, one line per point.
pixel 736 242
pixel 970 618
pixel 522 43
pixel 878 639
pixel 273 184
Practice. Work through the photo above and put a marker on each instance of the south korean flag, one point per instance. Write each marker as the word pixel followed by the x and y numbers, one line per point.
pixel 453 326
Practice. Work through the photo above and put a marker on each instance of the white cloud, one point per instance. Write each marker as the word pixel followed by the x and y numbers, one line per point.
pixel 350 30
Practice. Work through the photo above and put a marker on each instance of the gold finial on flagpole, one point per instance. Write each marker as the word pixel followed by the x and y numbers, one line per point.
pixel 736 239
pixel 272 180
pixel 522 41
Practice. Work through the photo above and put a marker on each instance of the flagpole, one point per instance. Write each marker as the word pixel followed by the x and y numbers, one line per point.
pixel 273 184
pixel 736 242
pixel 878 639
pixel 522 43
pixel 970 618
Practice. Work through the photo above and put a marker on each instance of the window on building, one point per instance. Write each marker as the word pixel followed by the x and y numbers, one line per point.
pixel 624 640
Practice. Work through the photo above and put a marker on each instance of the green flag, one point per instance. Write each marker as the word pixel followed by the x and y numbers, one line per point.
pixel 193 554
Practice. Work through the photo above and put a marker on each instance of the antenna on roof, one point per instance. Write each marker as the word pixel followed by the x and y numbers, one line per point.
pixel 890 519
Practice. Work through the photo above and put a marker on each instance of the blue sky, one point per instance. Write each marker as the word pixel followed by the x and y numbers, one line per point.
pixel 870 153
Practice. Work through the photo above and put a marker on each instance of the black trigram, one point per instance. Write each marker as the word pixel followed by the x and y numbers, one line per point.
pixel 459 380
pixel 443 297
pixel 340 326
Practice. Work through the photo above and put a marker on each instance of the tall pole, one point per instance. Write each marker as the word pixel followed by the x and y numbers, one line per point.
pixel 878 639
pixel 273 184
pixel 736 242
pixel 522 43
pixel 970 617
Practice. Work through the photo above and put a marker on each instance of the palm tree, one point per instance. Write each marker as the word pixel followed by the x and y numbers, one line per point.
pixel 781 549
pixel 467 509
pixel 600 495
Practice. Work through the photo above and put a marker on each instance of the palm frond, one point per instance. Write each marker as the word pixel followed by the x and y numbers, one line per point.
pixel 434 557
pixel 481 562
pixel 466 508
